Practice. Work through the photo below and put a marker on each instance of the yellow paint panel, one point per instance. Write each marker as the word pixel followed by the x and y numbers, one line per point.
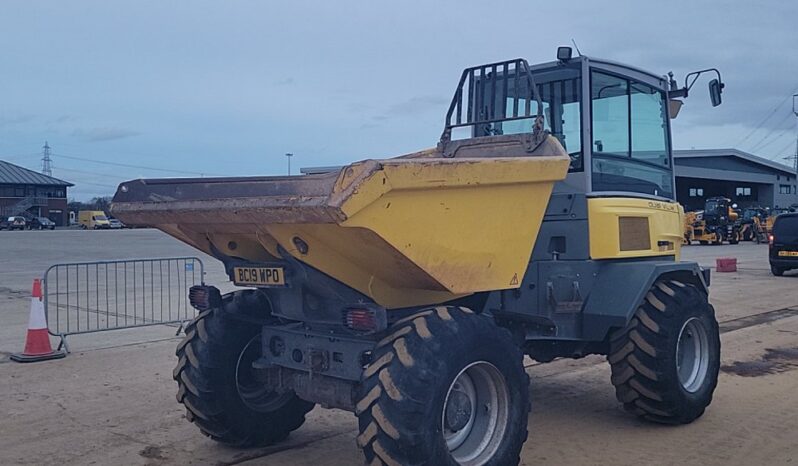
pixel 665 227
pixel 427 231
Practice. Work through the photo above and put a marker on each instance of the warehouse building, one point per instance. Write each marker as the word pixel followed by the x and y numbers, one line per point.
pixel 31 194
pixel 744 178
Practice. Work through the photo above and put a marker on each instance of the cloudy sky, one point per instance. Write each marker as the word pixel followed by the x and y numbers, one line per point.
pixel 122 88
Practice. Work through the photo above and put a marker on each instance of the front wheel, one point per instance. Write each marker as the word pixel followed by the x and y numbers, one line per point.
pixel 665 363
pixel 446 387
pixel 216 383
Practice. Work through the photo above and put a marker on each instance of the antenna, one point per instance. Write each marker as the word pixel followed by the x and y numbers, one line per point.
pixel 576 47
pixel 47 169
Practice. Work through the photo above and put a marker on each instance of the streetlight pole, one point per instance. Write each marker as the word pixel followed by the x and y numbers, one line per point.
pixel 288 155
pixel 795 112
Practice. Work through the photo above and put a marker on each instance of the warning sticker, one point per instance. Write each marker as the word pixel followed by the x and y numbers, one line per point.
pixel 514 281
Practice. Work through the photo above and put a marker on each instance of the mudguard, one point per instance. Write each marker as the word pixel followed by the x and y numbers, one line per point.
pixel 621 286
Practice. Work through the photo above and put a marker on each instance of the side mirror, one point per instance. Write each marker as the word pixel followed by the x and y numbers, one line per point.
pixel 715 90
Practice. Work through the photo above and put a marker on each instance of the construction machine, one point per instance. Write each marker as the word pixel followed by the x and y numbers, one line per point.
pixel 688 223
pixel 719 222
pixel 408 290
pixel 755 224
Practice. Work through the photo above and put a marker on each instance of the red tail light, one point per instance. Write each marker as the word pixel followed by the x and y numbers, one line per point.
pixel 204 297
pixel 771 239
pixel 361 319
pixel 365 319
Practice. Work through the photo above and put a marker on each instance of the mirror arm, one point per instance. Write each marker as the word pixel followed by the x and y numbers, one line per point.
pixel 696 74
pixel 678 92
pixel 690 80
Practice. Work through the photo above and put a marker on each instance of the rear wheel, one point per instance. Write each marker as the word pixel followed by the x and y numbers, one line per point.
pixel 777 271
pixel 216 383
pixel 446 387
pixel 665 362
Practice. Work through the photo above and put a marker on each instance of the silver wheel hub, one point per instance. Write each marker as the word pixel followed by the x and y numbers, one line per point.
pixel 255 394
pixel 692 355
pixel 475 414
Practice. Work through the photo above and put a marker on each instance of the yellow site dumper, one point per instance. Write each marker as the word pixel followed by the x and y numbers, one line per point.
pixel 408 290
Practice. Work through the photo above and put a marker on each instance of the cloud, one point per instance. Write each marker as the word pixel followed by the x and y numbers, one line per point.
pixel 103 134
pixel 412 107
pixel 14 120
pixel 64 119
pixel 285 81
pixel 417 105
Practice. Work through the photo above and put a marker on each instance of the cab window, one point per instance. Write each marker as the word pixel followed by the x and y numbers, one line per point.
pixel 560 91
pixel 630 137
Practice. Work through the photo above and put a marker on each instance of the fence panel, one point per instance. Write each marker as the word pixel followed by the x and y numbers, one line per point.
pixel 86 297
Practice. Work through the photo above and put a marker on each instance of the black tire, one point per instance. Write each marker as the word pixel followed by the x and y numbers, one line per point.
pixel 207 379
pixel 643 355
pixel 401 399
pixel 703 243
pixel 777 271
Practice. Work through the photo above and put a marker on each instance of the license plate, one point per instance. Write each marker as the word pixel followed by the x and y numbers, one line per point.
pixel 788 253
pixel 260 276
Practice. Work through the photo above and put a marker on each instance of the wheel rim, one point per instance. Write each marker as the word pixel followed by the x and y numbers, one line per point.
pixel 692 355
pixel 253 392
pixel 475 414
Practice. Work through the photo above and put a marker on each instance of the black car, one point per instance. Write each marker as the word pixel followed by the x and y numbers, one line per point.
pixel 12 223
pixel 41 223
pixel 784 244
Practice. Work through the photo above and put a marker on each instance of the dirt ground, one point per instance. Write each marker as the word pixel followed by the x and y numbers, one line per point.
pixel 112 400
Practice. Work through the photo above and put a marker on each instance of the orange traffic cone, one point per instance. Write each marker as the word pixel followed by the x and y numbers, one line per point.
pixel 37 342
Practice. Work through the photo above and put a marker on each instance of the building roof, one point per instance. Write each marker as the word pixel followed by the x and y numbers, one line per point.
pixel 683 154
pixel 14 174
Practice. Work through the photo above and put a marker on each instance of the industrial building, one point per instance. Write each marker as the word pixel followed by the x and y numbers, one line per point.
pixel 31 194
pixel 746 179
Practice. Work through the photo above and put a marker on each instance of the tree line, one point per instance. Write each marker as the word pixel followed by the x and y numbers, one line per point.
pixel 96 203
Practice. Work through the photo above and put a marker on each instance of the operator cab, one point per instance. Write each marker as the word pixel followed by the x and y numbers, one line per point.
pixel 718 208
pixel 612 119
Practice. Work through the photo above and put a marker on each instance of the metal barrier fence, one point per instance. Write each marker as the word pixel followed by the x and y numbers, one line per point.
pixel 87 297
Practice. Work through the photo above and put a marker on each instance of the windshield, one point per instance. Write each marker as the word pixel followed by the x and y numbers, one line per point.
pixel 501 102
pixel 712 207
pixel 751 213
pixel 100 218
pixel 560 91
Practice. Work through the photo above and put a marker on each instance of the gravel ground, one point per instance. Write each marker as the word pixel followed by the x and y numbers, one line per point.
pixel 112 400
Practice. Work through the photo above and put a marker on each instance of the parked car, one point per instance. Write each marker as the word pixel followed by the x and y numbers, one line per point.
pixel 784 244
pixel 13 223
pixel 115 224
pixel 41 223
